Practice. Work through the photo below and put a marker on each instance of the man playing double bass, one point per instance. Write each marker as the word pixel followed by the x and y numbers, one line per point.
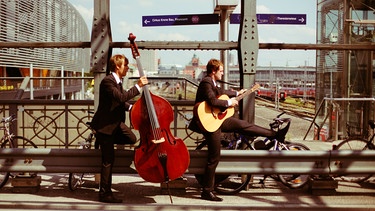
pixel 208 92
pixel 109 120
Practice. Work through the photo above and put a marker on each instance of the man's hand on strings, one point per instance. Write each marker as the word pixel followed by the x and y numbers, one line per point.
pixel 234 102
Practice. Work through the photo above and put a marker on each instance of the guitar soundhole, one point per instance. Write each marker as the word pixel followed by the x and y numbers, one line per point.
pixel 221 115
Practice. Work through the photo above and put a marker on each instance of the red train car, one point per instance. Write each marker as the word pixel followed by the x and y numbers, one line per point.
pixel 270 93
pixel 310 92
pixel 299 92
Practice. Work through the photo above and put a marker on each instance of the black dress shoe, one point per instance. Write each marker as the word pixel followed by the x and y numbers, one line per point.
pixel 109 199
pixel 209 195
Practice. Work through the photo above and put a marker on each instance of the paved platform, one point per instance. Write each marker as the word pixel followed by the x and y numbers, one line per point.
pixel 137 194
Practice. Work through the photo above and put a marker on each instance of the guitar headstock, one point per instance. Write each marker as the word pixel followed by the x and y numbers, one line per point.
pixel 255 87
pixel 133 45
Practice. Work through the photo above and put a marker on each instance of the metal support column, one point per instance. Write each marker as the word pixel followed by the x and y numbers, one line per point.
pixel 224 16
pixel 101 38
pixel 224 8
pixel 248 45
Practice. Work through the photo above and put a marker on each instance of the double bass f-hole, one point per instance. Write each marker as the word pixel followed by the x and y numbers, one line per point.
pixel 160 156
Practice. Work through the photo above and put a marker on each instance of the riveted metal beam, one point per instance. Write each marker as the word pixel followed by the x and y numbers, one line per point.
pixel 248 46
pixel 248 42
pixel 101 36
pixel 190 45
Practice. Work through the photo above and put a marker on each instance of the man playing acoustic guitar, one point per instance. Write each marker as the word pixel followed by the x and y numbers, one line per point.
pixel 208 93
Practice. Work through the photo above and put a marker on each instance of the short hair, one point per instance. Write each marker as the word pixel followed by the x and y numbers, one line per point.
pixel 117 60
pixel 213 65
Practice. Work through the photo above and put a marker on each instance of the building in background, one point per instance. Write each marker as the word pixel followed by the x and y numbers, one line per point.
pixel 345 78
pixel 149 61
pixel 41 21
pixel 195 68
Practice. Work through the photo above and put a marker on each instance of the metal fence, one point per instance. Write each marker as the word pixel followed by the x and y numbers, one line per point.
pixel 62 123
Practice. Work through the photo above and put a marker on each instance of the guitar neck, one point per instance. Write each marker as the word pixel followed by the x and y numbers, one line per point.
pixel 240 97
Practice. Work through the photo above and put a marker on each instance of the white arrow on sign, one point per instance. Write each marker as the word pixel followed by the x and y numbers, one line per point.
pixel 147 21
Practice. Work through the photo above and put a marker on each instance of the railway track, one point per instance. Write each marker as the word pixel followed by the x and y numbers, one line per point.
pixel 306 111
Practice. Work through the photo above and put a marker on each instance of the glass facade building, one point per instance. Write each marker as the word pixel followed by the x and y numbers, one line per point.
pixel 43 21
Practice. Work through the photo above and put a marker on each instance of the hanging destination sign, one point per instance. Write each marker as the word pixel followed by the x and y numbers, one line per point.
pixel 296 19
pixel 173 20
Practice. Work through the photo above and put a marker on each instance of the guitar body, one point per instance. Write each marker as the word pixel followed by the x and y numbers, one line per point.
pixel 211 118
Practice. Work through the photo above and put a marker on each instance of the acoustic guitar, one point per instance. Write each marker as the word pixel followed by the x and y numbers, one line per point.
pixel 211 118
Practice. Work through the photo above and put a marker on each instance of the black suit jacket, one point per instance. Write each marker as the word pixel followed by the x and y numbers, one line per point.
pixel 208 92
pixel 112 105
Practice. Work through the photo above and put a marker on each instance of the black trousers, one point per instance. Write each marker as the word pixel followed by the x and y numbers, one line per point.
pixel 213 139
pixel 123 135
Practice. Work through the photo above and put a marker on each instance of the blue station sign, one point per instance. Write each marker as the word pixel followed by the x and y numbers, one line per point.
pixel 296 19
pixel 174 20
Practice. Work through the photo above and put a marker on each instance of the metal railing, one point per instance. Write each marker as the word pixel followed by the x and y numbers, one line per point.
pixel 335 108
pixel 232 161
pixel 57 126
pixel 62 123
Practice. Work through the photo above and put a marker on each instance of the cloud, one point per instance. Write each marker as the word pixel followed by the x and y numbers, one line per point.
pixel 146 3
pixel 286 34
pixel 263 9
pixel 172 36
pixel 121 30
pixel 87 14
pixel 150 34
pixel 259 9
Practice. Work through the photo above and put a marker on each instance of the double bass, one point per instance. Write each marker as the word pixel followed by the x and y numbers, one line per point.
pixel 160 156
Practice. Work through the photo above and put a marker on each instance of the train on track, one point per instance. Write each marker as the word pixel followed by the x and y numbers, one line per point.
pixel 270 93
pixel 297 92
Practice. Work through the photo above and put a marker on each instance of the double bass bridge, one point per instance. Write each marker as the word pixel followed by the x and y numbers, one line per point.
pixel 158 141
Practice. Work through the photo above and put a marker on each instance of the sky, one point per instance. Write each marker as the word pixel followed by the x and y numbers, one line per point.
pixel 126 17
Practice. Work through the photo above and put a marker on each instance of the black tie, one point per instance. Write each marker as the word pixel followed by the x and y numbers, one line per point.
pixel 120 84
